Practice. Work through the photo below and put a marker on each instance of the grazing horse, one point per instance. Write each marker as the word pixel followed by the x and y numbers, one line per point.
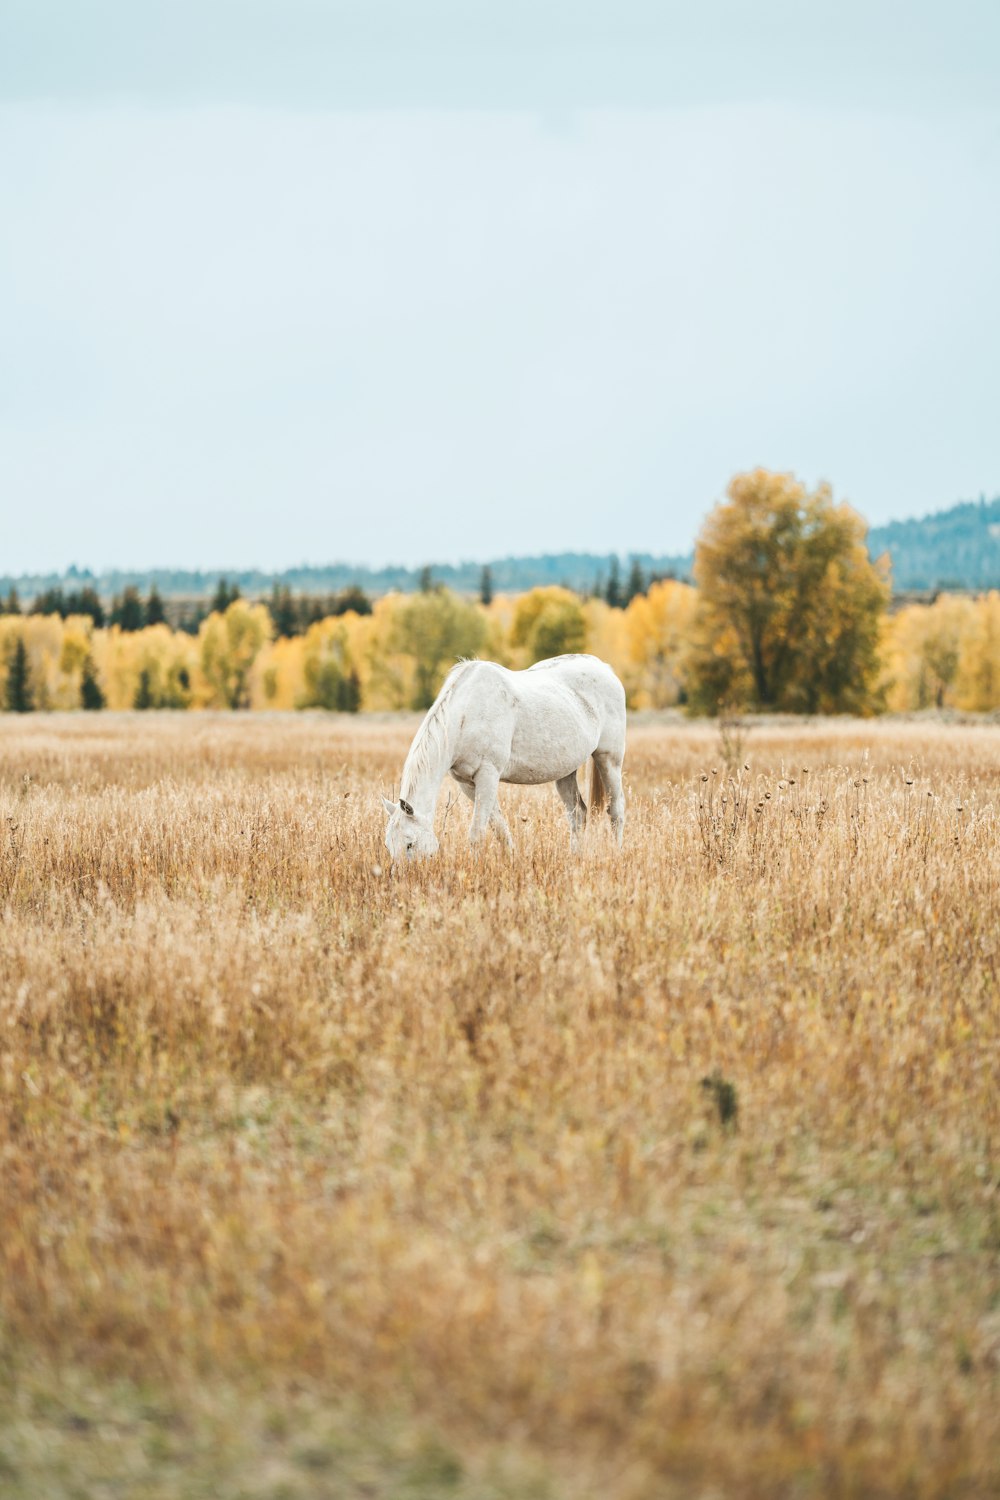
pixel 489 724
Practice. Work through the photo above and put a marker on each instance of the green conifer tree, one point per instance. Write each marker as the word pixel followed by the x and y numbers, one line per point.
pixel 613 593
pixel 351 694
pixel 91 693
pixel 128 612
pixel 85 601
pixel 636 583
pixel 284 613
pixel 353 599
pixel 144 691
pixel 155 612
pixel 224 596
pixel 19 697
pixel 50 602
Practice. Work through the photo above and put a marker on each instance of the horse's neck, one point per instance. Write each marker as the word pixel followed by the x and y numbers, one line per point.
pixel 426 765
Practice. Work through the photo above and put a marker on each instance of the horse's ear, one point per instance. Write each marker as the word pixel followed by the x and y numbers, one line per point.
pixel 406 808
pixel 390 807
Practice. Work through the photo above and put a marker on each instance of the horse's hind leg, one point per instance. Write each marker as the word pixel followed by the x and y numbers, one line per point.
pixel 576 809
pixel 609 768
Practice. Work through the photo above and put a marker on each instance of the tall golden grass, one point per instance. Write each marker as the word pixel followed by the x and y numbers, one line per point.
pixel 667 1173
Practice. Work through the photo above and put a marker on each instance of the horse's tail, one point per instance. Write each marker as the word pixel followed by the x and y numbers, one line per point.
pixel 598 799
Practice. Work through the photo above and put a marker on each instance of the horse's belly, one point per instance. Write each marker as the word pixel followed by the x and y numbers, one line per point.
pixel 541 753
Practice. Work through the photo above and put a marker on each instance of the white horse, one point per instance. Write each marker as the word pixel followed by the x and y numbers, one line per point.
pixel 489 724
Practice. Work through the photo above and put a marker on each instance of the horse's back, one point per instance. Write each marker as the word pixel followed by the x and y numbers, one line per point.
pixel 538 724
pixel 578 671
pixel 577 668
pixel 573 703
pixel 590 678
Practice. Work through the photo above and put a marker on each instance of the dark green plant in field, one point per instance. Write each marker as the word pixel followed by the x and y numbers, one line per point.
pixel 725 1098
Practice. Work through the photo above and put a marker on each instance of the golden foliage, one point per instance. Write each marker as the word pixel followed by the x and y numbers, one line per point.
pixel 784 579
pixel 944 655
pixel 659 627
pixel 54 653
pixel 169 660
pixel 666 646
pixel 229 644
pixel 547 622
pixel 978 676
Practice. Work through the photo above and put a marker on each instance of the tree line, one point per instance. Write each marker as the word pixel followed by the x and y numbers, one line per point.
pixel 586 573
pixel 291 614
pixel 787 612
pixel 129 611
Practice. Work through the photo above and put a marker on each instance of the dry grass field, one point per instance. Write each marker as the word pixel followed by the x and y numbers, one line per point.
pixel 667 1174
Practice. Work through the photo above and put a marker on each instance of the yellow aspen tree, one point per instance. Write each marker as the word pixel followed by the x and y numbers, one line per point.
pixel 499 616
pixel 43 640
pixel 278 679
pixel 977 684
pixel 436 628
pixel 387 670
pixel 606 635
pixel 658 627
pixel 547 622
pixel 151 668
pixel 921 651
pixel 228 647
pixel 330 678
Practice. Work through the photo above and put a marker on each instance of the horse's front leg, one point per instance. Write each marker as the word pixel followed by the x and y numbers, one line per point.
pixel 499 825
pixel 497 821
pixel 487 784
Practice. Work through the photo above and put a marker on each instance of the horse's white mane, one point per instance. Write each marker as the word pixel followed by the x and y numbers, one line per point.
pixel 430 742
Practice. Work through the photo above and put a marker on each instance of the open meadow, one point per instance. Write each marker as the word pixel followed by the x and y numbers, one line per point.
pixel 672 1173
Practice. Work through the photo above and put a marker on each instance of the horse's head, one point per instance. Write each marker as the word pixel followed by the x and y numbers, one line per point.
pixel 408 832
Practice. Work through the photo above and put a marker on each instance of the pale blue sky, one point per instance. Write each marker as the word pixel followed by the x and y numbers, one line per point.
pixel 397 282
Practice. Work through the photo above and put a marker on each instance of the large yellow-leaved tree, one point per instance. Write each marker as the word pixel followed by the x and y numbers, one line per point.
pixel 789 603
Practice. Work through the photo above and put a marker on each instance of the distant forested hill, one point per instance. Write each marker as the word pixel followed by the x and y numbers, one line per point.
pixel 578 570
pixel 956 548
